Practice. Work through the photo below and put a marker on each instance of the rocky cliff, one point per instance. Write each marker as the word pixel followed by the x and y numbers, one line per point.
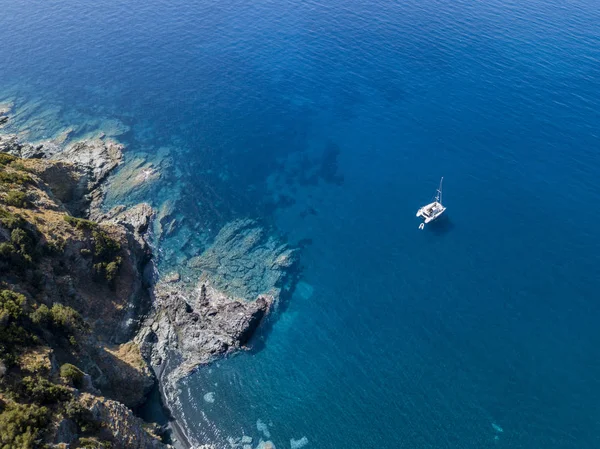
pixel 124 332
pixel 71 297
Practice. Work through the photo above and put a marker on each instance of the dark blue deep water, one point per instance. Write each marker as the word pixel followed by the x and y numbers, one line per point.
pixel 333 121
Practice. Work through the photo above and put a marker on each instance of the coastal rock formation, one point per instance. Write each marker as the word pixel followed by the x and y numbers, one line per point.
pixel 198 326
pixel 123 429
pixel 75 173
pixel 76 294
pixel 102 270
pixel 238 279
pixel 236 282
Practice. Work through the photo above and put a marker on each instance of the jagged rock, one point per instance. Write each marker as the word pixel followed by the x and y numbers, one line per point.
pixel 136 218
pixel 10 143
pixel 66 183
pixel 172 278
pixel 193 327
pixel 65 432
pixel 202 326
pixel 95 157
pixel 123 374
pixel 75 173
pixel 125 429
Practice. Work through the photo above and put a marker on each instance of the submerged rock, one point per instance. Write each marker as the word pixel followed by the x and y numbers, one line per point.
pixel 297 444
pixel 237 281
pixel 246 262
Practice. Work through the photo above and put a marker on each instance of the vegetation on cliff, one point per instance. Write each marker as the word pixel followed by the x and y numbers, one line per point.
pixel 65 289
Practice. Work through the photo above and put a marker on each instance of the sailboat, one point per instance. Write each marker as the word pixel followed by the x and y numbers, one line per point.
pixel 432 211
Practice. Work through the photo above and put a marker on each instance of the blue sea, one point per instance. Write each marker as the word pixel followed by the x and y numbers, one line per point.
pixel 332 122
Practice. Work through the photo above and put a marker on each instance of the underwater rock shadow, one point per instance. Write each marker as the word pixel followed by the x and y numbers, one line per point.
pixel 258 341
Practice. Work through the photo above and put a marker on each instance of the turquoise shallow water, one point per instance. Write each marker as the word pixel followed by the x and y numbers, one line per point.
pixel 333 122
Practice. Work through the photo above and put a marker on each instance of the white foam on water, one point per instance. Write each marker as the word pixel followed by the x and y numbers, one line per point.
pixel 263 428
pixel 246 439
pixel 297 444
pixel 209 397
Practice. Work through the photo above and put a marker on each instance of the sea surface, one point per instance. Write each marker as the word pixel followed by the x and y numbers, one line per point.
pixel 332 122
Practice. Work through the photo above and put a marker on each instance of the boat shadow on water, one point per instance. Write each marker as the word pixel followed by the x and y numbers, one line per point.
pixel 441 226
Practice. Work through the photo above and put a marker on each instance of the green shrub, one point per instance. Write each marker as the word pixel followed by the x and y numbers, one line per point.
pixel 18 165
pixel 16 198
pixel 81 416
pixel 66 319
pixel 6 159
pixel 14 178
pixel 105 247
pixel 41 316
pixel 72 374
pixel 85 252
pixel 44 392
pixel 21 250
pixel 23 243
pixel 80 223
pixel 13 335
pixel 7 250
pixel 11 304
pixel 21 425
pixel 13 338
pixel 10 220
pixel 55 247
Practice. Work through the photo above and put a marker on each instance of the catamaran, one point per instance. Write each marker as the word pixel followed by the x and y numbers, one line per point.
pixel 433 210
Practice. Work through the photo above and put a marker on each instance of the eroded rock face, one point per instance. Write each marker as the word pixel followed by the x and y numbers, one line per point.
pixel 211 306
pixel 124 428
pixel 9 143
pixel 199 326
pixel 96 157
pixel 237 281
pixel 76 172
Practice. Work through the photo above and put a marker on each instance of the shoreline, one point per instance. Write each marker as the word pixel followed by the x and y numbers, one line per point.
pixel 196 314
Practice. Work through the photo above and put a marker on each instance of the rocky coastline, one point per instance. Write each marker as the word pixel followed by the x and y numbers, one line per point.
pixel 207 306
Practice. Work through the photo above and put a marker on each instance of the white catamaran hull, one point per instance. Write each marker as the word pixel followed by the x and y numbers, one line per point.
pixel 431 211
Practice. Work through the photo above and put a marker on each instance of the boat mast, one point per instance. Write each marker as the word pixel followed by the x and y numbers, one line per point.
pixel 439 192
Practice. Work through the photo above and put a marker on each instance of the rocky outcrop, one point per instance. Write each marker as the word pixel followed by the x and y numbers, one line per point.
pixel 57 260
pixel 237 280
pixel 216 304
pixel 210 306
pixel 198 326
pixel 94 160
pixel 119 424
pixel 76 172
